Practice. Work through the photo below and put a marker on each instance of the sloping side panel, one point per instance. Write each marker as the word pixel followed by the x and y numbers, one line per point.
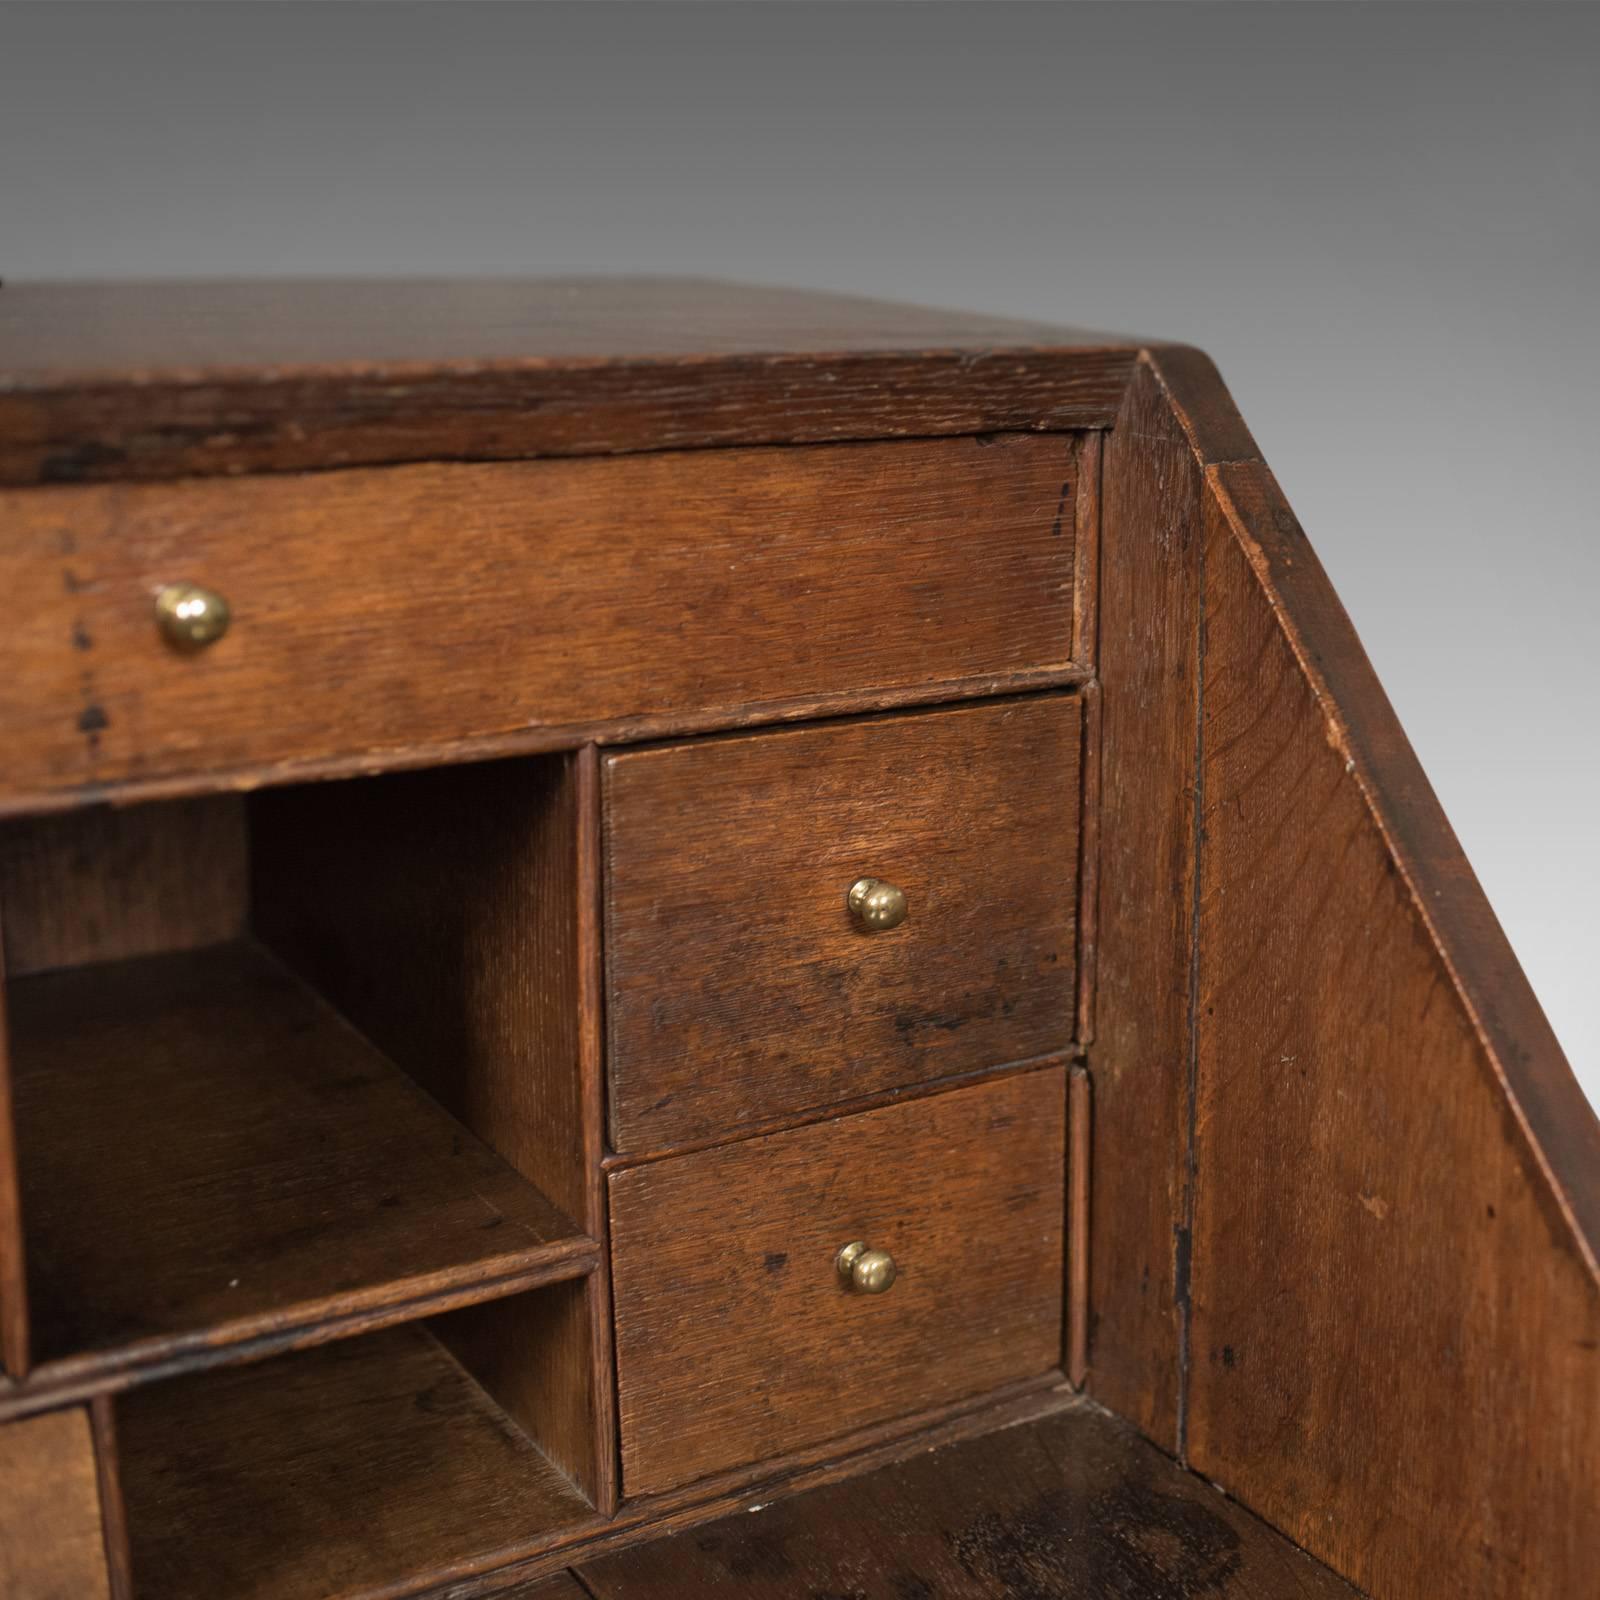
pixel 1149 617
pixel 1395 1340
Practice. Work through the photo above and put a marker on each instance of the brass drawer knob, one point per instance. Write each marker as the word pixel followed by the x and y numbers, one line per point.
pixel 866 1271
pixel 191 617
pixel 876 904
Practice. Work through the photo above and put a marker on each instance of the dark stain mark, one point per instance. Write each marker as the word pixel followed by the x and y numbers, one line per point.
pixel 1061 509
pixel 72 583
pixel 775 1260
pixel 93 721
pixel 1180 1267
pixel 906 1023
pixel 80 637
pixel 1229 1358
pixel 1490 1210
pixel 759 1553
pixel 82 461
pixel 1129 1540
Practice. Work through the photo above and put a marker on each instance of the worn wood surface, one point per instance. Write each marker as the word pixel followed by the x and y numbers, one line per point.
pixel 438 911
pixel 1396 1341
pixel 52 1538
pixel 1074 1507
pixel 449 914
pixel 1149 629
pixel 366 1468
pixel 515 597
pixel 167 380
pixel 735 1338
pixel 210 1155
pixel 105 885
pixel 739 985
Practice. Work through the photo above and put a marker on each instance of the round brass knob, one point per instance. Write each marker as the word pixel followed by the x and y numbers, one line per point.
pixel 866 1271
pixel 876 904
pixel 191 617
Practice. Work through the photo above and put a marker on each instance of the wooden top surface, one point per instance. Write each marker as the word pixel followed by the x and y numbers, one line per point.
pixel 56 335
pixel 167 380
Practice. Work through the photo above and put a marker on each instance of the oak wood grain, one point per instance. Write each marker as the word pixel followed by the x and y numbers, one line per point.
pixel 167 380
pixel 509 597
pixel 1067 1508
pixel 369 1468
pixel 740 987
pixel 1149 631
pixel 1396 1328
pixel 106 885
pixel 735 1338
pixel 52 1543
pixel 210 1155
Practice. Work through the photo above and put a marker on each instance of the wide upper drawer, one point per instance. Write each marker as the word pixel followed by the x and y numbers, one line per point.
pixel 738 1336
pixel 740 984
pixel 378 609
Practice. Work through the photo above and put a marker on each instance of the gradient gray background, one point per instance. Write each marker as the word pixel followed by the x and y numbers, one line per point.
pixel 1383 222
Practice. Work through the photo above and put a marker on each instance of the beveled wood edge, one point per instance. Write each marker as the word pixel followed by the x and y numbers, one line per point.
pixel 1079 1114
pixel 539 739
pixel 113 1513
pixel 154 427
pixel 749 1488
pixel 590 933
pixel 1554 1120
pixel 834 1110
pixel 74 1379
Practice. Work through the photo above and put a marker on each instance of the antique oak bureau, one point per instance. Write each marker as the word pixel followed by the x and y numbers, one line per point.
pixel 669 939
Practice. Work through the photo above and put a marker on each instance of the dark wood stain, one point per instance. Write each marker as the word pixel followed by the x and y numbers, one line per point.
pixel 1068 1508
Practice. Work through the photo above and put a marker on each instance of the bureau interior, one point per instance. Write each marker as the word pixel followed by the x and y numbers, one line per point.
pixel 365 1466
pixel 296 1065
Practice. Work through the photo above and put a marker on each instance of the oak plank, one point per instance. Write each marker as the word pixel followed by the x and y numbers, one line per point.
pixel 167 380
pixel 511 598
pixel 1418 1400
pixel 1139 1062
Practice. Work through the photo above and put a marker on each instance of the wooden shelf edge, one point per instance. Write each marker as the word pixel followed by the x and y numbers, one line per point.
pixel 541 740
pixel 76 1378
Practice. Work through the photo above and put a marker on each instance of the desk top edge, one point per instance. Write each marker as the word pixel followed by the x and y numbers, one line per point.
pixel 56 336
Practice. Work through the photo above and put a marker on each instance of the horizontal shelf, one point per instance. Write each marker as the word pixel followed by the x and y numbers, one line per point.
pixel 211 1156
pixel 360 1468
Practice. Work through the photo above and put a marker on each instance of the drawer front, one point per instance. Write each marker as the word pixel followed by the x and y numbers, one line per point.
pixel 740 986
pixel 379 609
pixel 737 1339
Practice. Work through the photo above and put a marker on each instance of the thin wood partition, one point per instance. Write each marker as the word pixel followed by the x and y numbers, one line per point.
pixel 1349 1089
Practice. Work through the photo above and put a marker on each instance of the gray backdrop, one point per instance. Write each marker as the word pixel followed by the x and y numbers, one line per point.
pixel 1382 222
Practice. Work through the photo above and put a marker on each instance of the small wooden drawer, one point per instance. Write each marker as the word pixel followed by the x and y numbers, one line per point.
pixel 380 609
pixel 740 985
pixel 738 1339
